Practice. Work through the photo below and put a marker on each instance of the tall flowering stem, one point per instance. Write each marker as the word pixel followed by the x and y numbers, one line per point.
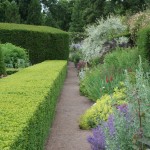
pixel 98 140
pixel 110 125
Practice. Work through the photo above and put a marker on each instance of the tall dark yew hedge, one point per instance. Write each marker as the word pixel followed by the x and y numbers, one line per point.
pixel 43 43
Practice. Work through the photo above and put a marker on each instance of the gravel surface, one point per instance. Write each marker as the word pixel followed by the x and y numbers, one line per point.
pixel 65 133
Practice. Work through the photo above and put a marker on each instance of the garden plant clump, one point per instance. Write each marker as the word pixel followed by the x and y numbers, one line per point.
pixel 100 111
pixel 103 78
pixel 14 56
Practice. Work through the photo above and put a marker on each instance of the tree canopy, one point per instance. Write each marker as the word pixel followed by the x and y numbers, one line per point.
pixel 72 15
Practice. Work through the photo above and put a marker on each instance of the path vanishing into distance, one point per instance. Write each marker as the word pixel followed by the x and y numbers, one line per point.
pixel 65 133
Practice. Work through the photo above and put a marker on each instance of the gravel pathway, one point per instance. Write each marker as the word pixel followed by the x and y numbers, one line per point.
pixel 65 133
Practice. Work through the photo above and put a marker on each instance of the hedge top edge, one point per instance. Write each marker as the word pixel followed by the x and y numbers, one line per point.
pixel 46 29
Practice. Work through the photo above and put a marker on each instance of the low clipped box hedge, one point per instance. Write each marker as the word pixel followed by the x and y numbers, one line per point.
pixel 143 42
pixel 28 99
pixel 43 43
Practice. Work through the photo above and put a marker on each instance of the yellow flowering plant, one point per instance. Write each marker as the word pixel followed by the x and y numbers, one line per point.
pixel 101 110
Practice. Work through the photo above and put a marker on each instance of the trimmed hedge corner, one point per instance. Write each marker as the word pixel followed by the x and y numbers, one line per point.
pixel 28 99
pixel 143 42
pixel 43 43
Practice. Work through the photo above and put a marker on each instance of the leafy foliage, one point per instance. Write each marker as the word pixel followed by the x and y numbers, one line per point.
pixel 99 81
pixel 122 7
pixel 52 15
pixel 9 12
pixel 12 13
pixel 23 9
pixel 104 78
pixel 121 59
pixel 88 11
pixel 34 13
pixel 14 57
pixel 28 99
pixel 77 22
pixel 143 42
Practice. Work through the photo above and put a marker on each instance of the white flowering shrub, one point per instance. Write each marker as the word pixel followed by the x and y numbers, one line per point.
pixel 100 33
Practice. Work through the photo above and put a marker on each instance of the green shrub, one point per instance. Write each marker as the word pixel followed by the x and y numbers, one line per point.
pixel 2 64
pixel 43 43
pixel 122 59
pixel 143 42
pixel 14 56
pixel 28 99
pixel 95 61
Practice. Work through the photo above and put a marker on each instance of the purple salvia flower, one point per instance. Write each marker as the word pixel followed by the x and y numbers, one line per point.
pixel 123 108
pixel 98 140
pixel 110 125
pixel 124 111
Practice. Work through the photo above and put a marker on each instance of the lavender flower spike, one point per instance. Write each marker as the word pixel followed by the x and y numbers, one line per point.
pixel 98 140
pixel 123 108
pixel 110 125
